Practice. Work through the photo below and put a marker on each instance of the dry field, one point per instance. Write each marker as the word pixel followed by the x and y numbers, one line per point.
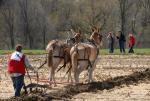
pixel 117 78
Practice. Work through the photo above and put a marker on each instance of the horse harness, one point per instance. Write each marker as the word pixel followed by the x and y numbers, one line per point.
pixel 87 59
pixel 60 55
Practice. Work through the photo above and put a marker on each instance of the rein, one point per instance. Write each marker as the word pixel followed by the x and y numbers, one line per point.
pixel 37 75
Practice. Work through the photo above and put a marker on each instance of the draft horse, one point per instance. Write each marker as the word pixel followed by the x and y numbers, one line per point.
pixel 58 52
pixel 84 55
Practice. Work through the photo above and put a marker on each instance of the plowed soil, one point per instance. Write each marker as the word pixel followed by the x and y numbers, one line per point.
pixel 116 78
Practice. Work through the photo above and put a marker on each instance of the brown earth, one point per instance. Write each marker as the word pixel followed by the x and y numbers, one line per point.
pixel 117 78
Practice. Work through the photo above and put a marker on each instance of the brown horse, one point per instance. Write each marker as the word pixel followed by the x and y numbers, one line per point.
pixel 58 52
pixel 84 55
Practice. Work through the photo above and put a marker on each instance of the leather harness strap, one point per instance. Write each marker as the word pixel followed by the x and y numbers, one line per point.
pixel 59 56
pixel 87 59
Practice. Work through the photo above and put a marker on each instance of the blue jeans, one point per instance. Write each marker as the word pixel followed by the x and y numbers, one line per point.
pixel 122 46
pixel 18 84
pixel 111 48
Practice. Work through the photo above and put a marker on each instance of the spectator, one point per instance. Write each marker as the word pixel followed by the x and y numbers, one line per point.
pixel 122 41
pixel 110 38
pixel 17 63
pixel 131 43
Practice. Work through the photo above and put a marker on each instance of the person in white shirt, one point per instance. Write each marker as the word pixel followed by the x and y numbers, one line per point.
pixel 17 64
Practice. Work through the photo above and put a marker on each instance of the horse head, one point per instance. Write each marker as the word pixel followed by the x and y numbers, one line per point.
pixel 75 39
pixel 96 37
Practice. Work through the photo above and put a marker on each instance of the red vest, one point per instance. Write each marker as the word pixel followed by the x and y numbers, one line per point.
pixel 15 66
pixel 131 40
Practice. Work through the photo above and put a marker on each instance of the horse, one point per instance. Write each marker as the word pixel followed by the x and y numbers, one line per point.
pixel 84 55
pixel 58 52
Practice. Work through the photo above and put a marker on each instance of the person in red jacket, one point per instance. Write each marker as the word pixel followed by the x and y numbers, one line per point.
pixel 17 63
pixel 131 43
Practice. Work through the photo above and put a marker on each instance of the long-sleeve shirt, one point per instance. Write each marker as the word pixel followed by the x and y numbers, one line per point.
pixel 16 56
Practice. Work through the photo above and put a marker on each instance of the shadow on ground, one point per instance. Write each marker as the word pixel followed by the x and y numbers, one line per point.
pixel 71 90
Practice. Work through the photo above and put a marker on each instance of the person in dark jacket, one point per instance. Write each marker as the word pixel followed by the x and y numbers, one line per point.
pixel 131 43
pixel 122 41
pixel 17 63
pixel 110 38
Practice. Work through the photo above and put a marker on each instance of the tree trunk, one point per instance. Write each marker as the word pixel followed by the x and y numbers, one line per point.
pixel 123 14
pixel 44 36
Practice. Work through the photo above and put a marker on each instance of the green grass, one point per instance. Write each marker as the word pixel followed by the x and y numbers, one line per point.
pixel 137 51
pixel 102 51
pixel 34 51
pixel 24 51
pixel 142 51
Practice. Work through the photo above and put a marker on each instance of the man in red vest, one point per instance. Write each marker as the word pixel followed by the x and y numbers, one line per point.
pixel 131 43
pixel 17 63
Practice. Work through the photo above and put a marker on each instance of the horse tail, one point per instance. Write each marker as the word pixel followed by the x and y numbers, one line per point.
pixel 50 49
pixel 50 60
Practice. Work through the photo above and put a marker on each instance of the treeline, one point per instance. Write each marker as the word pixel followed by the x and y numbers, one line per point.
pixel 34 23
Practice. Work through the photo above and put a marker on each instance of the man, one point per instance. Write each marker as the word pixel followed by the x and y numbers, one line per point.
pixel 110 38
pixel 131 43
pixel 17 63
pixel 122 41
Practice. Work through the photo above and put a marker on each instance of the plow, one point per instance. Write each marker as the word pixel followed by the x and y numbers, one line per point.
pixel 40 82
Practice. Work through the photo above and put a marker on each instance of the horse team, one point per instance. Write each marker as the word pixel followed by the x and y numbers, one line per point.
pixel 76 54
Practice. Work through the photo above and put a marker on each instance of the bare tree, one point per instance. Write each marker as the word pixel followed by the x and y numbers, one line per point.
pixel 8 16
pixel 25 18
pixel 1 2
pixel 34 22
pixel 99 12
pixel 124 6
pixel 145 23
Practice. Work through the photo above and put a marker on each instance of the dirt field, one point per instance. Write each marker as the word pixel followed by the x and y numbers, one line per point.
pixel 117 78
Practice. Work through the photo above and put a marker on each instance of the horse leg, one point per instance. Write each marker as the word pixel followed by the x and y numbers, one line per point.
pixel 55 65
pixel 74 66
pixel 69 72
pixel 70 77
pixel 50 76
pixel 90 72
pixel 53 72
pixel 54 79
pixel 76 76
pixel 77 72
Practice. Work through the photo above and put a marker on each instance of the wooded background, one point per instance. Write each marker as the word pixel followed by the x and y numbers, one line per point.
pixel 34 23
